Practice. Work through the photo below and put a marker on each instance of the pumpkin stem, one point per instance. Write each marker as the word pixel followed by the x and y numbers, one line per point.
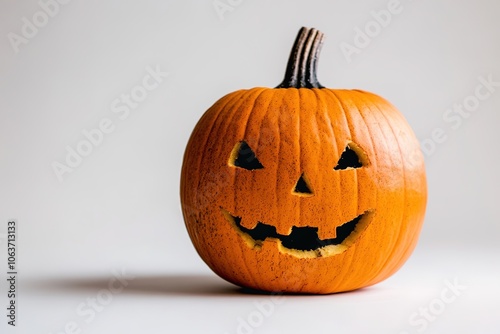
pixel 301 68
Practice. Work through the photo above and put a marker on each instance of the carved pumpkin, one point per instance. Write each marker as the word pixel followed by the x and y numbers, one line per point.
pixel 302 188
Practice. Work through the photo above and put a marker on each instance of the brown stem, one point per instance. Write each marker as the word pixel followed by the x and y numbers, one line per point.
pixel 301 68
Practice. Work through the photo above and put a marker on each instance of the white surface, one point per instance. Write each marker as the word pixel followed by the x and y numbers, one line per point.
pixel 120 207
pixel 417 299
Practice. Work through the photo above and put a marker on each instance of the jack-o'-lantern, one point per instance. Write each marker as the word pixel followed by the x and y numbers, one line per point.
pixel 302 188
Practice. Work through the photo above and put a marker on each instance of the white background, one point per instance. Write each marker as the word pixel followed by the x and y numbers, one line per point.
pixel 119 209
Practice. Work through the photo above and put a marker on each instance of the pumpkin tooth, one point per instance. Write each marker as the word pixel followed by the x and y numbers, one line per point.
pixel 248 223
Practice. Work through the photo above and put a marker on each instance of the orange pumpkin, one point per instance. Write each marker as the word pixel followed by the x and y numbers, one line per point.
pixel 302 188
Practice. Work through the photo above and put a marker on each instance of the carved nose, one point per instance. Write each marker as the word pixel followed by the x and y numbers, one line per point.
pixel 302 187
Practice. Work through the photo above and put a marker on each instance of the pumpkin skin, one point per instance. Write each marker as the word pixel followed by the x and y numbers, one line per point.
pixel 300 132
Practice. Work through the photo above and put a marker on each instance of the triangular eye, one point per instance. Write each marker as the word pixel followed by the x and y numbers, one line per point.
pixel 244 157
pixel 349 158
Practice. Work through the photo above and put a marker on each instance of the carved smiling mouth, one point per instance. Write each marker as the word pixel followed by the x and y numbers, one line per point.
pixel 303 242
